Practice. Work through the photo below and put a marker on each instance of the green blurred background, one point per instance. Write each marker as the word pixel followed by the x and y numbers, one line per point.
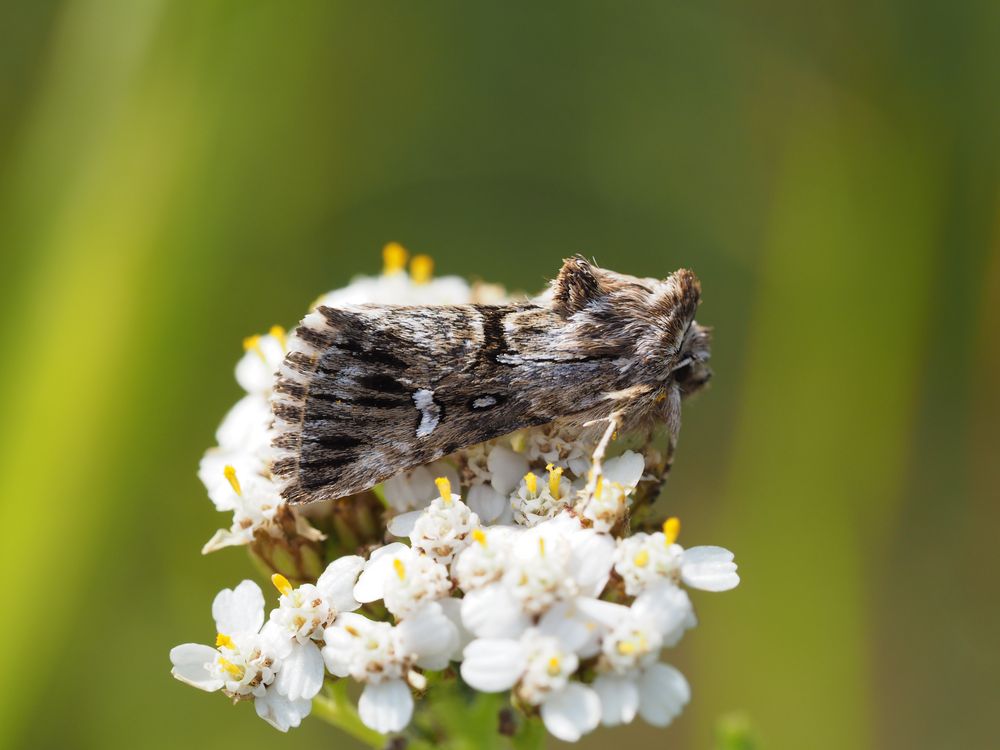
pixel 176 175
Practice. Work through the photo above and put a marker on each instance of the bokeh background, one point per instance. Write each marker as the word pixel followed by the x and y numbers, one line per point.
pixel 176 175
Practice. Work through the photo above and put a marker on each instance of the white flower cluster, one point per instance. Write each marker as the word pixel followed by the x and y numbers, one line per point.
pixel 517 567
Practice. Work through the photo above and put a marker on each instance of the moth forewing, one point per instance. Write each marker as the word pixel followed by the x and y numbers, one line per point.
pixel 370 391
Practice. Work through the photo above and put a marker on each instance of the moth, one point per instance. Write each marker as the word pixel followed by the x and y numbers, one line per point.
pixel 367 392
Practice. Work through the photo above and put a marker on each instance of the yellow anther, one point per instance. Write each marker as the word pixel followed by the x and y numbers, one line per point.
pixel 554 666
pixel 279 333
pixel 531 482
pixel 227 665
pixel 352 630
pixel 479 536
pixel 444 488
pixel 421 269
pixel 555 475
pixel 671 530
pixel 230 473
pixel 253 343
pixel 224 641
pixel 541 546
pixel 393 258
pixel 600 484
pixel 400 569
pixel 641 560
pixel 626 647
pixel 282 584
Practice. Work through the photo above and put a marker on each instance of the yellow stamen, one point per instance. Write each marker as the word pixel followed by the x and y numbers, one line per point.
pixel 281 583
pixel 671 530
pixel 393 258
pixel 224 641
pixel 230 473
pixel 555 474
pixel 479 536
pixel 541 546
pixel 352 630
pixel 641 560
pixel 279 333
pixel 444 487
pixel 400 568
pixel 253 343
pixel 554 666
pixel 421 269
pixel 531 482
pixel 626 647
pixel 600 484
pixel 231 668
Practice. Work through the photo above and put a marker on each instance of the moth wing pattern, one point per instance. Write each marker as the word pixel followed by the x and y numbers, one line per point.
pixel 371 391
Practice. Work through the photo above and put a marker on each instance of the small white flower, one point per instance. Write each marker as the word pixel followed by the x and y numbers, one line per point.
pixel 538 667
pixel 254 501
pixel 560 446
pixel 538 498
pixel 607 505
pixel 261 359
pixel 248 659
pixel 484 561
pixel 643 560
pixel 555 561
pixel 403 578
pixel 442 529
pixel 381 656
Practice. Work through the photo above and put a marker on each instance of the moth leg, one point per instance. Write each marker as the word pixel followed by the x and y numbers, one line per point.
pixel 614 420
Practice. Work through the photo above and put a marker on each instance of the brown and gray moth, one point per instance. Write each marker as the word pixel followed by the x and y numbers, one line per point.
pixel 369 391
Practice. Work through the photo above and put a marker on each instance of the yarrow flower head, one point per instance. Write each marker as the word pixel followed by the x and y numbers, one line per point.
pixel 531 565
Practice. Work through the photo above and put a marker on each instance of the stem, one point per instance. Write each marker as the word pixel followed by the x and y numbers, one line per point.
pixel 334 707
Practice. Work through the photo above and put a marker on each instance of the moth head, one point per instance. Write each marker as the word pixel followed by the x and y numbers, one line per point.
pixel 652 317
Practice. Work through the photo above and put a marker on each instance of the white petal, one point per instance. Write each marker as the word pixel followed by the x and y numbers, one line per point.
pixel 371 584
pixel 709 569
pixel 668 607
pixel 244 428
pixel 301 672
pixel 572 712
pixel 452 609
pixel 663 693
pixel 619 699
pixel 625 469
pixel 191 662
pixel 280 712
pixel 593 556
pixel 239 610
pixel 486 502
pixel 567 624
pixel 387 706
pixel 429 635
pixel 337 582
pixel 507 468
pixel 402 525
pixel 493 664
pixel 491 612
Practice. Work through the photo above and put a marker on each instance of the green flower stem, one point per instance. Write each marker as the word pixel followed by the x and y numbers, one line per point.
pixel 334 707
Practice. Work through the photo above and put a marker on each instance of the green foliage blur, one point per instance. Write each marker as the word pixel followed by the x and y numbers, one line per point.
pixel 177 175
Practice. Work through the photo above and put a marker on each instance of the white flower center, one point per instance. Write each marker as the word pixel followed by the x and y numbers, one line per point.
pixel 415 580
pixel 549 668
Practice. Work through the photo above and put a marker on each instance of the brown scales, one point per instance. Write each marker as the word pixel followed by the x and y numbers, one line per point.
pixel 370 391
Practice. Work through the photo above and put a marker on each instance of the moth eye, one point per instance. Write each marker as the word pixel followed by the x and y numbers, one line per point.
pixel 682 374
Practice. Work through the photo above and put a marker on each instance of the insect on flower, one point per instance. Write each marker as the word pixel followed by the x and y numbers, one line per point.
pixel 369 391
